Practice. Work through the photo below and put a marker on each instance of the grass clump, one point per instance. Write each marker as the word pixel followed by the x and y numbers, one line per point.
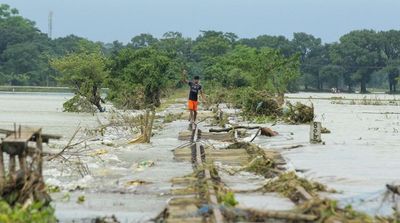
pixel 34 213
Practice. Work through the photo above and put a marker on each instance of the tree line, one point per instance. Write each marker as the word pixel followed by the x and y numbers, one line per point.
pixel 360 59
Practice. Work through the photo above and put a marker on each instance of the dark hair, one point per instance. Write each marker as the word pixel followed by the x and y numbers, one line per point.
pixel 196 77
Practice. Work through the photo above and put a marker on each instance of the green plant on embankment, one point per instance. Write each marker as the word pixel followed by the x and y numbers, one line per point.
pixel 228 199
pixel 34 213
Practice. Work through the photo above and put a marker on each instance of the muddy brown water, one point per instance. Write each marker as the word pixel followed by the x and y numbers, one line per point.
pixel 361 155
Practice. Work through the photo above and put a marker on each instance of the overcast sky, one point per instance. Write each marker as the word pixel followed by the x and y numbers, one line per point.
pixel 108 20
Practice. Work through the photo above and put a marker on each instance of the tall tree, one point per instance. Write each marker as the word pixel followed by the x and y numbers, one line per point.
pixel 138 77
pixel 85 73
pixel 313 55
pixel 360 53
pixel 143 40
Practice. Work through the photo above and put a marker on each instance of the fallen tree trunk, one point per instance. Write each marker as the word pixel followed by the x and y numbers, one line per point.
pixel 235 127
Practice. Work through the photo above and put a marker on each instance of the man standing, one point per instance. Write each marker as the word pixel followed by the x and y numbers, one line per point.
pixel 195 88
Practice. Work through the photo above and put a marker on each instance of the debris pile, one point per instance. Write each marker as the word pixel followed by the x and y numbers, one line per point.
pixel 79 104
pixel 325 130
pixel 328 211
pixel 259 162
pixel 288 185
pixel 256 103
pixel 298 113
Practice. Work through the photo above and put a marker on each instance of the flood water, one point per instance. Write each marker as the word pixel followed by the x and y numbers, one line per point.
pixel 359 157
pixel 361 154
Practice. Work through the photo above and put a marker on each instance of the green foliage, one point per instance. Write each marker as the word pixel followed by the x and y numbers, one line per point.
pixel 85 73
pixel 142 40
pixel 362 58
pixel 228 199
pixel 34 213
pixel 140 76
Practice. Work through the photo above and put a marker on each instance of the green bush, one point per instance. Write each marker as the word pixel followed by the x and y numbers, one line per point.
pixel 34 213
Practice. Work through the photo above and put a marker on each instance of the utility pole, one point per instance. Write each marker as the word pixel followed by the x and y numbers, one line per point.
pixel 50 31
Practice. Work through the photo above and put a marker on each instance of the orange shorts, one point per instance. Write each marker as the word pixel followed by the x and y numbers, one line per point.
pixel 192 105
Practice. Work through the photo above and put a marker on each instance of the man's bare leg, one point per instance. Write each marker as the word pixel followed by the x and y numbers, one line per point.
pixel 194 116
pixel 190 115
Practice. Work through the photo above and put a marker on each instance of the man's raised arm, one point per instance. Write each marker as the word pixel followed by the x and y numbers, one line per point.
pixel 184 76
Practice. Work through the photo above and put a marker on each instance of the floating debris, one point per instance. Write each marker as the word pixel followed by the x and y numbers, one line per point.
pixel 81 199
pixel 288 183
pixel 328 211
pixel 99 152
pixel 135 183
pixel 325 130
pixel 111 219
pixel 143 165
pixel 259 163
pixel 298 113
